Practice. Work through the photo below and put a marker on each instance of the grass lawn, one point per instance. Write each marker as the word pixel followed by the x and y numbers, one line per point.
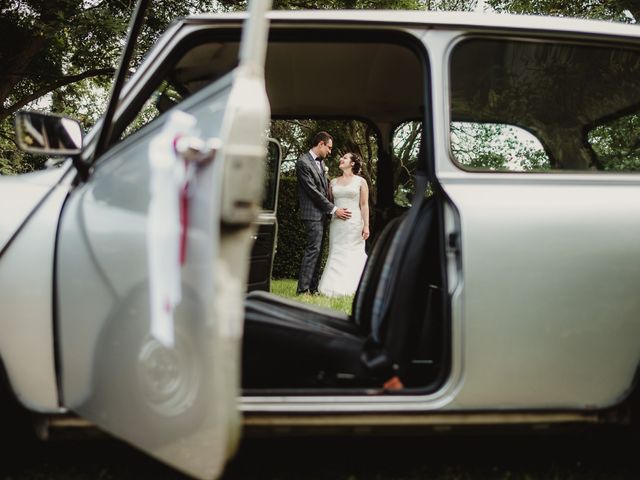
pixel 287 288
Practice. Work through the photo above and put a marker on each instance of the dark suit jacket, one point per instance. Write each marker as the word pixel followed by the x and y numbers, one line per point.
pixel 312 189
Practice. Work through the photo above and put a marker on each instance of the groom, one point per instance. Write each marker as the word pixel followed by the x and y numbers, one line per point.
pixel 315 207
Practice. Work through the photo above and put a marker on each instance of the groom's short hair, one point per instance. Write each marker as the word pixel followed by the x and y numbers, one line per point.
pixel 321 137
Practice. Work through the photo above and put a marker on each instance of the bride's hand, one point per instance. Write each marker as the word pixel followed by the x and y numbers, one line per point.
pixel 365 233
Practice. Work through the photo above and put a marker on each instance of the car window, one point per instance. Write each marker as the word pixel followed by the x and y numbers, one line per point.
pixel 498 147
pixel 162 99
pixel 180 76
pixel 482 146
pixel 579 101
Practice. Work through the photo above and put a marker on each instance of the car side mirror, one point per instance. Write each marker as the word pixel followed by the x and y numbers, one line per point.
pixel 48 134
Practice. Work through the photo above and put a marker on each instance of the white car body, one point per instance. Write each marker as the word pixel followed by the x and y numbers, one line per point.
pixel 542 308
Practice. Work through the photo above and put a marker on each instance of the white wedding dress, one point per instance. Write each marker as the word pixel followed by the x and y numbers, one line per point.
pixel 347 257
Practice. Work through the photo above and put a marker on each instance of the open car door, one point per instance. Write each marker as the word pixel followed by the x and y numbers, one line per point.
pixel 165 376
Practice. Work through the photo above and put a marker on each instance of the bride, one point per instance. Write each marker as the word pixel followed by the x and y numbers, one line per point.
pixel 346 237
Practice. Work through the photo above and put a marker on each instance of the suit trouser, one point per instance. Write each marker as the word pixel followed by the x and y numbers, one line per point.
pixel 309 275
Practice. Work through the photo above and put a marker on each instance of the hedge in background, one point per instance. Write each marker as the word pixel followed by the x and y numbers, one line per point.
pixel 291 232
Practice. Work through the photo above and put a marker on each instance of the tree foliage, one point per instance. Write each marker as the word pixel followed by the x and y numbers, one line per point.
pixel 617 144
pixel 618 10
pixel 67 50
pixel 491 146
pixel 348 136
pixel 332 4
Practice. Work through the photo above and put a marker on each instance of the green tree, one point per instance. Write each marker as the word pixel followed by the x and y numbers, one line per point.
pixel 618 10
pixel 66 50
pixel 332 4
pixel 491 146
pixel 406 147
pixel 348 135
pixel 616 144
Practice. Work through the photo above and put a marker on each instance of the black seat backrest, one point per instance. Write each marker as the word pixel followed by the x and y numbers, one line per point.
pixel 363 300
pixel 399 306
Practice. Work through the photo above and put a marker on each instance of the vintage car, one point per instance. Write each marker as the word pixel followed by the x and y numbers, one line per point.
pixel 503 291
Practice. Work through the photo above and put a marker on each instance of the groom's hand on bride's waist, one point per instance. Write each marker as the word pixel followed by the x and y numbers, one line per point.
pixel 343 213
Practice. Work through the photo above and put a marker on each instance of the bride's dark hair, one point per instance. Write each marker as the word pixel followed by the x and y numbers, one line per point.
pixel 357 163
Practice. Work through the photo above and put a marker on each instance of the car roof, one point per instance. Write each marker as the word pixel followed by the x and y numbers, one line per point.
pixel 468 20
pixel 366 69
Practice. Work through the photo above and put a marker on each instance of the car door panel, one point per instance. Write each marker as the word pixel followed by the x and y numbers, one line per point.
pixel 549 313
pixel 176 402
pixel 544 265
pixel 119 376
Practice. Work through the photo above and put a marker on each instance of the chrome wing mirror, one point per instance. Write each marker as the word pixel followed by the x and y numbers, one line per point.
pixel 47 134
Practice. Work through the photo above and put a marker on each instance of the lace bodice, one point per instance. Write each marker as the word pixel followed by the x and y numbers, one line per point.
pixel 347 196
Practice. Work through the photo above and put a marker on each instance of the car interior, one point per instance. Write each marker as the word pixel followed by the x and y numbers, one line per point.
pixel 393 340
pixel 396 339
